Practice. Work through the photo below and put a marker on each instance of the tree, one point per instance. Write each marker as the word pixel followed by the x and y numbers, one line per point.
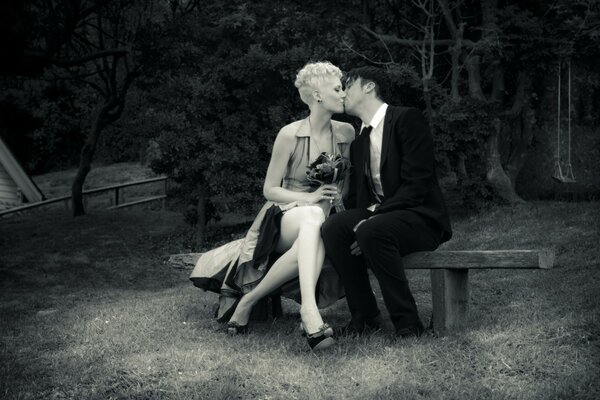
pixel 498 49
pixel 90 42
pixel 216 115
pixel 110 76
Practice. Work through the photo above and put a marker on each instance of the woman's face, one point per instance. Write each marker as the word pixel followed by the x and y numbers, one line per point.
pixel 332 94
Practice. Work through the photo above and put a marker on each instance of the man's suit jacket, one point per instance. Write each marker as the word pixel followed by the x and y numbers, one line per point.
pixel 407 167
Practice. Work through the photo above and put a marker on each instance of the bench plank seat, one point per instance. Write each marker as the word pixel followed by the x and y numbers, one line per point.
pixel 479 259
pixel 449 277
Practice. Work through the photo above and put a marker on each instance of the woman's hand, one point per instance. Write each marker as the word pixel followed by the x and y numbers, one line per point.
pixel 324 192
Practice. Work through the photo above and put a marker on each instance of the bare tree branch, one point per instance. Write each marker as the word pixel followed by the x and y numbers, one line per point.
pixel 70 62
pixel 393 39
pixel 363 56
pixel 422 5
pixel 448 18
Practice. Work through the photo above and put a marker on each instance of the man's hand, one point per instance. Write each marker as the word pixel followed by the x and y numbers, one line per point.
pixel 354 248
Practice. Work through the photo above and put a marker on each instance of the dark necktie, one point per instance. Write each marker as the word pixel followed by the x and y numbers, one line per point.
pixel 366 132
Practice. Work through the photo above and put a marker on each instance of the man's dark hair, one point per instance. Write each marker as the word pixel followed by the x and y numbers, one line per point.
pixel 368 74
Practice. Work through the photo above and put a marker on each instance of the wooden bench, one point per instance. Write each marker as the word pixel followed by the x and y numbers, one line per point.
pixel 449 277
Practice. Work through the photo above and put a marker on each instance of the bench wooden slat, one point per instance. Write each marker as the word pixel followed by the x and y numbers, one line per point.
pixel 184 261
pixel 441 259
pixel 479 259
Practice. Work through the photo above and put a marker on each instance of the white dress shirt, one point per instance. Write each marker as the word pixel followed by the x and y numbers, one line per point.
pixel 376 139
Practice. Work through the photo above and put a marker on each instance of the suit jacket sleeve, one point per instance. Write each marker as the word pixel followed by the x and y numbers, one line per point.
pixel 417 164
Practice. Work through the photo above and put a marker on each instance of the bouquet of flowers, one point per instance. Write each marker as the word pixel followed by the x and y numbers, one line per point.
pixel 327 168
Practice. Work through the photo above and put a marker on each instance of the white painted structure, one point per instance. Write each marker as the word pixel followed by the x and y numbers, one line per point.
pixel 16 187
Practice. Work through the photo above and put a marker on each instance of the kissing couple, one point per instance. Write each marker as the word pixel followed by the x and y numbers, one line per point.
pixel 308 244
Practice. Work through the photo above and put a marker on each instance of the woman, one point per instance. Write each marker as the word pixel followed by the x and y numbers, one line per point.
pixel 289 224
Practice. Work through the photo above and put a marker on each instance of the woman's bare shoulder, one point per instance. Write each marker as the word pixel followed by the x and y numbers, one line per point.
pixel 287 134
pixel 289 131
pixel 344 131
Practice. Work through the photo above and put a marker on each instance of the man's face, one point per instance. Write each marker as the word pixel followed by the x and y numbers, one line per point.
pixel 354 96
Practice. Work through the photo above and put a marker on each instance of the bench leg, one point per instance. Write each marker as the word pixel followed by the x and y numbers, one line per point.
pixel 260 312
pixel 450 299
pixel 276 309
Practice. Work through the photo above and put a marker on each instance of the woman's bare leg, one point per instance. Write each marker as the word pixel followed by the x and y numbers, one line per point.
pixel 311 254
pixel 301 242
pixel 283 270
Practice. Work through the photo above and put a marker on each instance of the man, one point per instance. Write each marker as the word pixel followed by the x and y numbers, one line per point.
pixel 394 206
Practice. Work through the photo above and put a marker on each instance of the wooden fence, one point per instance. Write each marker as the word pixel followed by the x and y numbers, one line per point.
pixel 117 199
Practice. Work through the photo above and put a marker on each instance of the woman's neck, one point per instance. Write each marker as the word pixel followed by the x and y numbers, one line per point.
pixel 320 122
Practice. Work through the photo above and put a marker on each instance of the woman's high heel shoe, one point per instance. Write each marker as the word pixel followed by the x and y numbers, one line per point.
pixel 233 328
pixel 321 339
pixel 227 314
pixel 325 328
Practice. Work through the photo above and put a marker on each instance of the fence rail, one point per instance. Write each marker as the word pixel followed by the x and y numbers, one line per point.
pixel 117 196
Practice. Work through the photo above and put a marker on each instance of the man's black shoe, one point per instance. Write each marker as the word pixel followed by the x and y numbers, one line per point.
pixel 368 326
pixel 412 331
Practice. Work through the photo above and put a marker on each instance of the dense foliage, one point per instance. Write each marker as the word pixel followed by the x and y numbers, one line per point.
pixel 235 68
pixel 216 84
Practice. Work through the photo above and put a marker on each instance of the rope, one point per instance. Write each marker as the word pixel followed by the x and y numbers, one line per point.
pixel 568 176
pixel 569 117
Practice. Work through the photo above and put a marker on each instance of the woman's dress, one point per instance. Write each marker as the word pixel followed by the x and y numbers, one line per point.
pixel 235 268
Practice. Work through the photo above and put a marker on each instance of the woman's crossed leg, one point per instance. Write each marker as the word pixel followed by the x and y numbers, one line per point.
pixel 303 255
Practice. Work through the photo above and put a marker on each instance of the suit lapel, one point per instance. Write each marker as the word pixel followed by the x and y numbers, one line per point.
pixel 387 134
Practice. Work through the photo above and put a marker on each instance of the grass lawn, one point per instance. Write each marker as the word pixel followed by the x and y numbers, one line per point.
pixel 89 310
pixel 58 184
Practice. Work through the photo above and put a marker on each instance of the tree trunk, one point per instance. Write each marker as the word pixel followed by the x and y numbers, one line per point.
pixel 109 112
pixel 428 104
pixel 524 117
pixel 77 186
pixel 454 80
pixel 498 87
pixel 427 69
pixel 461 167
pixel 85 161
pixel 496 176
pixel 474 77
pixel 518 155
pixel 456 31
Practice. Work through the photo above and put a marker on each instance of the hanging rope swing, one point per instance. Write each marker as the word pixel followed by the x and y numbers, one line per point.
pixel 567 176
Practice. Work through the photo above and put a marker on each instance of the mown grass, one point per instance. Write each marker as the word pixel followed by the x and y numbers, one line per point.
pixel 58 184
pixel 90 310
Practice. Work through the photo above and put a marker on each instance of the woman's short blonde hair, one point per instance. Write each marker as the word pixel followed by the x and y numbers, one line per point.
pixel 312 75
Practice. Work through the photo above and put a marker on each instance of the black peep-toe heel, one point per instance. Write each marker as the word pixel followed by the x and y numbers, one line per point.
pixel 325 328
pixel 233 328
pixel 321 339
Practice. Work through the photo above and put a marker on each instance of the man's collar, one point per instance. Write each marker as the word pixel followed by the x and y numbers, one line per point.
pixel 378 117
